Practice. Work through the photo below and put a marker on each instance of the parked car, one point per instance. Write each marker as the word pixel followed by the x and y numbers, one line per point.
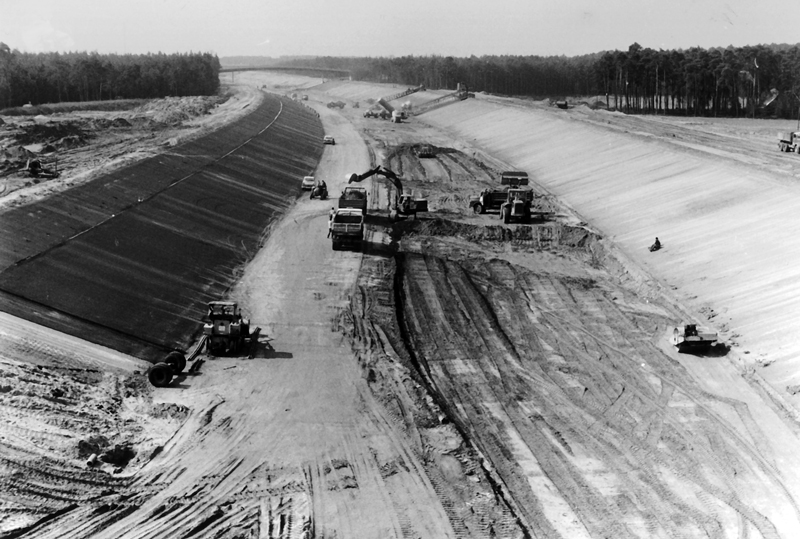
pixel 308 183
pixel 328 140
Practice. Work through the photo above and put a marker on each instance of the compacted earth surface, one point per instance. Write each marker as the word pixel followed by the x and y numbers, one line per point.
pixel 455 376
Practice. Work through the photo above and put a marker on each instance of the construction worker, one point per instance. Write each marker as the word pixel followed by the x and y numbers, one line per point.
pixel 656 246
pixel 330 220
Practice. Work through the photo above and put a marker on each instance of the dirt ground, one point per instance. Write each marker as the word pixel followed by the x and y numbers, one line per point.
pixel 456 378
pixel 84 144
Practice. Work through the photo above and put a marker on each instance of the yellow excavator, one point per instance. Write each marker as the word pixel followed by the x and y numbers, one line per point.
pixel 405 204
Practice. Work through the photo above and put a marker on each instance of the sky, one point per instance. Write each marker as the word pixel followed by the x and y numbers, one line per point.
pixel 390 28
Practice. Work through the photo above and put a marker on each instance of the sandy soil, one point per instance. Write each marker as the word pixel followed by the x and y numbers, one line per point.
pixel 84 145
pixel 460 378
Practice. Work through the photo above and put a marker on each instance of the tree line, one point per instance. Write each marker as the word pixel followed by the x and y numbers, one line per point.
pixel 762 80
pixel 81 76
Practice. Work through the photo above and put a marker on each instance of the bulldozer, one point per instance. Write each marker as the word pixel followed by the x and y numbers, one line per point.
pixel 226 330
pixel 693 338
pixel 405 204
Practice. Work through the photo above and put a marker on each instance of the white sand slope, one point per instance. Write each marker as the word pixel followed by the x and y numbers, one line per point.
pixel 729 230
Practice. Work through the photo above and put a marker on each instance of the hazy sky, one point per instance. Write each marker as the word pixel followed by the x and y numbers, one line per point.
pixel 391 28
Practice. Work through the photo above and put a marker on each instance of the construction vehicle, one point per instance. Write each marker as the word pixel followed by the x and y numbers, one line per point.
pixel 397 116
pixel 320 190
pixel 404 93
pixel 514 178
pixel 405 204
pixel 354 197
pixel 494 199
pixel 425 150
pixel 375 113
pixel 461 93
pixel 789 142
pixel 161 374
pixel 226 329
pixel 35 169
pixel 517 206
pixel 347 227
pixel 693 338
pixel 513 204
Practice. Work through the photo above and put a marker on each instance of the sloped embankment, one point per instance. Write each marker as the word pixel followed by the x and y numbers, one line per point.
pixel 130 259
pixel 727 221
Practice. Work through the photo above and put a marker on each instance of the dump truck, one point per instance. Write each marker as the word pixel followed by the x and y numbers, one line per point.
pixel 346 227
pixel 789 142
pixel 693 338
pixel 513 204
pixel 354 197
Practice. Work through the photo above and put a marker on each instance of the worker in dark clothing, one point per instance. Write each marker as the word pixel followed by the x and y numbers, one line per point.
pixel 656 246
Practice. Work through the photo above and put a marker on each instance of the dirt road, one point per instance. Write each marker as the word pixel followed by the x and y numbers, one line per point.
pixel 459 378
pixel 290 443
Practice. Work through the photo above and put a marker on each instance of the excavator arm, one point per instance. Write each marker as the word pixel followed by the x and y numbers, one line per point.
pixel 404 204
pixel 385 172
pixel 392 177
pixel 361 177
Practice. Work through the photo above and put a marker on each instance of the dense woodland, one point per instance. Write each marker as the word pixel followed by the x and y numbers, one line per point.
pixel 762 80
pixel 80 76
pixel 756 81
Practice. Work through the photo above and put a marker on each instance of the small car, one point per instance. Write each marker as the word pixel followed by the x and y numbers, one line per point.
pixel 328 140
pixel 307 183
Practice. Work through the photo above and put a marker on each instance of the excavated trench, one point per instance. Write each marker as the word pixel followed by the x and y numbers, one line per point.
pixel 541 347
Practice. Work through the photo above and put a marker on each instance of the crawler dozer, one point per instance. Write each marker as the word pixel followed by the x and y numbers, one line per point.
pixel 692 338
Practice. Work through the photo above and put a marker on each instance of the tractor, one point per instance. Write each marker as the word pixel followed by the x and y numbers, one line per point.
pixel 225 333
pixel 226 330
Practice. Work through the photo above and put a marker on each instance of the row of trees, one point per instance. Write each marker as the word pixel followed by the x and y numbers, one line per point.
pixel 759 80
pixel 81 76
